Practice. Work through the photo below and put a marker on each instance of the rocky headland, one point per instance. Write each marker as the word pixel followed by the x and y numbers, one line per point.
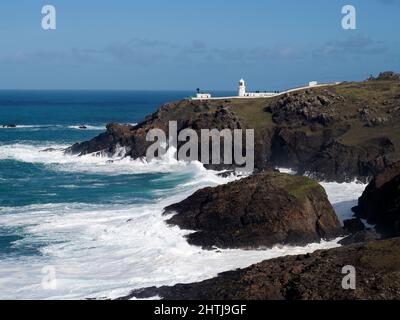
pixel 336 133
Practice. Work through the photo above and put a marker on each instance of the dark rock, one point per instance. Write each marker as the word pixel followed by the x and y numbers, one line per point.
pixel 359 237
pixel 353 225
pixel 293 108
pixel 316 276
pixel 380 202
pixel 262 210
pixel 108 142
pixel 226 173
pixel 387 75
pixel 52 149
pixel 188 114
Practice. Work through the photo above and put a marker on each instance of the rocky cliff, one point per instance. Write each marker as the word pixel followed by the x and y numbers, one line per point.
pixel 339 133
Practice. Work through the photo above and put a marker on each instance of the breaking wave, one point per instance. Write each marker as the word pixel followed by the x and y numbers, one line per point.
pixel 53 156
pixel 107 250
pixel 33 127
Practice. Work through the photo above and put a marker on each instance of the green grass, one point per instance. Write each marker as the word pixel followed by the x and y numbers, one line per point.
pixel 364 91
pixel 301 187
pixel 296 186
pixel 251 112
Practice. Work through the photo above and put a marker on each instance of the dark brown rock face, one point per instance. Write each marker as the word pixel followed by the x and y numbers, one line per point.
pixel 316 133
pixel 353 225
pixel 188 114
pixel 357 232
pixel 380 202
pixel 298 107
pixel 316 276
pixel 262 210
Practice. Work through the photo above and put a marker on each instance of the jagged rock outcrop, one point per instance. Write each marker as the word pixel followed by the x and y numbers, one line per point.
pixel 262 210
pixel 380 202
pixel 196 115
pixel 316 276
pixel 387 75
pixel 306 107
pixel 358 232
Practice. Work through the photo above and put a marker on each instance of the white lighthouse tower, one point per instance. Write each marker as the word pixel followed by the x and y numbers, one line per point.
pixel 242 88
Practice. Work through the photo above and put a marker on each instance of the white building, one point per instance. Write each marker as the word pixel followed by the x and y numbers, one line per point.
pixel 242 92
pixel 242 88
pixel 201 96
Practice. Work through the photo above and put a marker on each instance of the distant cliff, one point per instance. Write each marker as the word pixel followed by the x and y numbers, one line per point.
pixel 338 133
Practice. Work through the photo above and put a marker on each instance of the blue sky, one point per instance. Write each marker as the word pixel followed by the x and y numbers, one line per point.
pixel 177 44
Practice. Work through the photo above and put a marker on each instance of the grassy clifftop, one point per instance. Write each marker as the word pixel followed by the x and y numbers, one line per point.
pixel 370 109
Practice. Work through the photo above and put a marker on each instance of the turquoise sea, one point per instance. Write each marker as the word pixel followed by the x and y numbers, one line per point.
pixel 98 224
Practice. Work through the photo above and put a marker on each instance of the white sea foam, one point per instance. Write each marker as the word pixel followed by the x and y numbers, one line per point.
pixel 87 127
pixel 344 196
pixel 92 163
pixel 101 251
pixel 36 127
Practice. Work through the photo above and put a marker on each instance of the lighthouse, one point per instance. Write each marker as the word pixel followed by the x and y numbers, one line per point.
pixel 242 88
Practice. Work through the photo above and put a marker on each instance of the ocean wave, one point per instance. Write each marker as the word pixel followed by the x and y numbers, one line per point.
pixel 104 251
pixel 117 164
pixel 36 127
pixel 86 127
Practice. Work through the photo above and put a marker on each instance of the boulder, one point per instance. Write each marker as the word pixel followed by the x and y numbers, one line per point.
pixel 359 237
pixel 262 210
pixel 353 225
